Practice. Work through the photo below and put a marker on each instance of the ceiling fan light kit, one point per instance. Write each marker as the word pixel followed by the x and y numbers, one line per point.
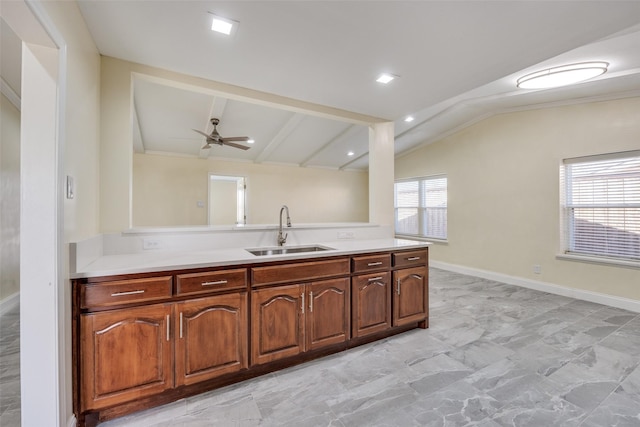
pixel 215 138
pixel 563 75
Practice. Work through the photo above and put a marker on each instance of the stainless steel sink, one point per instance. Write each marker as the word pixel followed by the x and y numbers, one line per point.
pixel 290 250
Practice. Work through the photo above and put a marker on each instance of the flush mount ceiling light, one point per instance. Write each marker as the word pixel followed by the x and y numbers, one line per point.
pixel 251 141
pixel 223 25
pixel 350 153
pixel 562 75
pixel 409 119
pixel 385 78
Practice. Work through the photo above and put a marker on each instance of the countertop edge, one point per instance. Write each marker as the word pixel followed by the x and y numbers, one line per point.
pixel 160 261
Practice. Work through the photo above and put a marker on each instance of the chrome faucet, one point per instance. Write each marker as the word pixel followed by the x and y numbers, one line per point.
pixel 282 239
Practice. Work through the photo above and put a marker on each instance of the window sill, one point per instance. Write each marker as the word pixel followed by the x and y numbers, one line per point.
pixel 599 260
pixel 422 239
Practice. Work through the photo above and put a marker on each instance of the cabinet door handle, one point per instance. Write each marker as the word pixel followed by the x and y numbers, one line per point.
pixel 180 324
pixel 413 258
pixel 372 264
pixel 417 276
pixel 375 279
pixel 119 294
pixel 311 302
pixel 398 287
pixel 302 304
pixel 218 282
pixel 168 328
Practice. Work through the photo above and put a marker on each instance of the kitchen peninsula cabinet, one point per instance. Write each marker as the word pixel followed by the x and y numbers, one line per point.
pixel 290 319
pixel 411 288
pixel 141 340
pixel 126 355
pixel 211 337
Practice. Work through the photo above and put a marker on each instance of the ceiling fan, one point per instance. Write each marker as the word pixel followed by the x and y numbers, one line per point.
pixel 215 138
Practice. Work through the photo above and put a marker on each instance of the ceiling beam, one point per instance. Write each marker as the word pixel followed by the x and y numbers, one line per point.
pixel 281 136
pixel 347 133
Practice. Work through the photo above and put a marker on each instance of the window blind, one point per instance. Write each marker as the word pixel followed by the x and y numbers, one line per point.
pixel 602 206
pixel 421 207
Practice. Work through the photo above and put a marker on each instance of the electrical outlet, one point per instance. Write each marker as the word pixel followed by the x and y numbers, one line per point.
pixel 346 235
pixel 537 269
pixel 151 244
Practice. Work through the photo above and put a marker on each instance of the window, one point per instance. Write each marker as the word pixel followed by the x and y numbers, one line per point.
pixel 421 207
pixel 601 206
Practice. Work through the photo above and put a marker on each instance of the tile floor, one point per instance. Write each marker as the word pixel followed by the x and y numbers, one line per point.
pixel 10 367
pixel 495 355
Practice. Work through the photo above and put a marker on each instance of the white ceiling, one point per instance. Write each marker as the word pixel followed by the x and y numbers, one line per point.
pixel 457 62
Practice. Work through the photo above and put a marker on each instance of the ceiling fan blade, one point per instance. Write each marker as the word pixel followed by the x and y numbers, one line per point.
pixel 236 138
pixel 201 133
pixel 231 144
pixel 206 147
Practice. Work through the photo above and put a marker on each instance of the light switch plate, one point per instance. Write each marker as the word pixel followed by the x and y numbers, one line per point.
pixel 71 190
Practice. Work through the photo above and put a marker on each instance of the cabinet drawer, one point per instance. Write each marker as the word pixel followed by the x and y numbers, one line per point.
pixel 371 263
pixel 211 281
pixel 410 258
pixel 298 272
pixel 107 294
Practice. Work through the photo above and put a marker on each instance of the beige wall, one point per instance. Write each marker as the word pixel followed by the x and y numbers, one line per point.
pixel 166 190
pixel 503 189
pixel 9 199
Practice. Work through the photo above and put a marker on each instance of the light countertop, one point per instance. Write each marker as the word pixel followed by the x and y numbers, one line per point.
pixel 165 260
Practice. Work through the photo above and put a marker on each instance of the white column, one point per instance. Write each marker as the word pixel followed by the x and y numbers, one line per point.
pixel 381 174
pixel 39 328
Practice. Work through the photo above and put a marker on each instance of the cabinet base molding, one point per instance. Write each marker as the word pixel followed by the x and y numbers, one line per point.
pixel 93 418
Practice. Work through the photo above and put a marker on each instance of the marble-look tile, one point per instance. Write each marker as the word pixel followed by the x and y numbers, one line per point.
pixel 459 404
pixel 542 358
pixel 479 354
pixel 436 373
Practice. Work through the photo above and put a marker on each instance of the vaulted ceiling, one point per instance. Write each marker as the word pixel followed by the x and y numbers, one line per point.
pixel 456 62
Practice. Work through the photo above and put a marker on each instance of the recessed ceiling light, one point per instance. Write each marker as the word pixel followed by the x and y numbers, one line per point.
pixel 562 75
pixel 350 153
pixel 250 141
pixel 385 78
pixel 409 119
pixel 223 25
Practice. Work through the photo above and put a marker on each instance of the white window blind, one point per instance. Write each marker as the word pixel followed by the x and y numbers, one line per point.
pixel 421 207
pixel 602 206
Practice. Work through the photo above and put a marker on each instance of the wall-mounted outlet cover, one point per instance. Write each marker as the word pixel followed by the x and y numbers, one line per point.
pixel 346 235
pixel 151 243
pixel 537 269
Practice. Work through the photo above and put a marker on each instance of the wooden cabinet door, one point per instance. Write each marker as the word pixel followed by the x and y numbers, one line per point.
pixel 211 337
pixel 410 295
pixel 371 303
pixel 277 323
pixel 126 354
pixel 328 313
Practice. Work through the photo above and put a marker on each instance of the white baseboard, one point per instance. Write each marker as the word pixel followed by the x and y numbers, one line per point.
pixel 9 302
pixel 72 422
pixel 610 300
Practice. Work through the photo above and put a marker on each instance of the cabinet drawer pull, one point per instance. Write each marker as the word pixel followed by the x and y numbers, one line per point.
pixel 413 258
pixel 168 328
pixel 218 282
pixel 302 303
pixel 119 294
pixel 375 279
pixel 372 264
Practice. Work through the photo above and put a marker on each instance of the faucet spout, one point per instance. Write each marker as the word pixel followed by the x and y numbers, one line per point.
pixel 282 238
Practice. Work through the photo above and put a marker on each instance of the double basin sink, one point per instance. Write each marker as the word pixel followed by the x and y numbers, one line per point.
pixel 281 250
